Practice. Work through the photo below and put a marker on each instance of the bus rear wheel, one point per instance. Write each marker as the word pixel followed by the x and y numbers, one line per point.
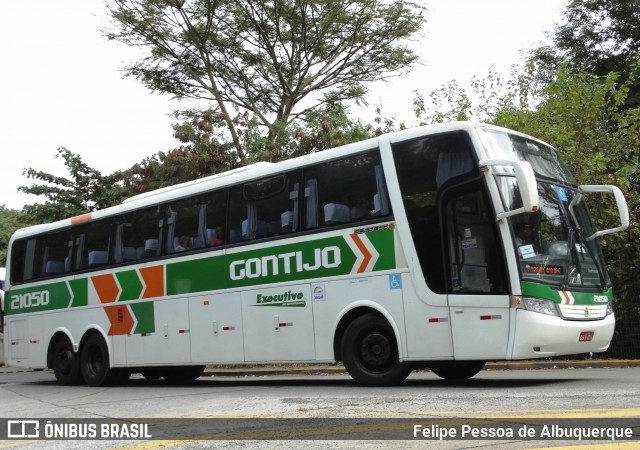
pixel 370 352
pixel 66 363
pixel 458 371
pixel 94 363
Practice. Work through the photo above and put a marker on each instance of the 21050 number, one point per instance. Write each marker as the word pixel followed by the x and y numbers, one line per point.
pixel 30 300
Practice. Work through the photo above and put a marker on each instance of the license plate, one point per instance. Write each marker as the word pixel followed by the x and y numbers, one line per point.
pixel 586 336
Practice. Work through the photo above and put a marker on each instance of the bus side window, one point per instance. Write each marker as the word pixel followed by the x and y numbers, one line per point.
pixel 424 165
pixel 264 208
pixel 139 234
pixel 344 191
pixel 185 225
pixel 56 254
pixel 92 244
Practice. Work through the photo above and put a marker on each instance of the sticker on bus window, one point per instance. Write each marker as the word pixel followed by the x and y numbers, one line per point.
pixel 526 251
pixel 562 193
pixel 468 244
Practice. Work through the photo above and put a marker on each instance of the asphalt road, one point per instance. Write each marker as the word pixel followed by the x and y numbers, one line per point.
pixel 328 410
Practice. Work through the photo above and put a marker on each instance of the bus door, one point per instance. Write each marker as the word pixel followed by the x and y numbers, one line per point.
pixel 477 292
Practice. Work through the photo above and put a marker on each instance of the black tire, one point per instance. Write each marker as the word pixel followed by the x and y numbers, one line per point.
pixel 95 364
pixel 66 363
pixel 182 374
pixel 370 352
pixel 457 371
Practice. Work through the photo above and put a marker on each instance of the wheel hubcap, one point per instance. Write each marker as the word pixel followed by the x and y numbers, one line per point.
pixel 375 350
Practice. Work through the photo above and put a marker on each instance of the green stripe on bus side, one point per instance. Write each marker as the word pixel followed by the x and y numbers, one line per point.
pixel 384 244
pixel 39 298
pixel 131 285
pixel 282 263
pixel 79 290
pixel 326 257
pixel 531 289
pixel 144 314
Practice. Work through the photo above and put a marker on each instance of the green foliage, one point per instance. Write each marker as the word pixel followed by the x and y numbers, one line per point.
pixel 599 37
pixel 85 190
pixel 588 119
pixel 276 60
pixel 10 221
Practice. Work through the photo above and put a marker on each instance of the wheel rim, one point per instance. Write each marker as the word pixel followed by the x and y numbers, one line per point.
pixel 375 351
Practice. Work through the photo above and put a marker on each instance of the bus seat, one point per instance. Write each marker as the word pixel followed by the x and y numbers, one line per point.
pixel 336 213
pixel 129 254
pixel 210 234
pixel 97 258
pixel 150 248
pixel 286 221
pixel 53 267
pixel 358 212
pixel 262 229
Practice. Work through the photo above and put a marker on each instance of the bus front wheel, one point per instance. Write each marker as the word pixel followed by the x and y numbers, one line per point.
pixel 94 362
pixel 66 363
pixel 370 352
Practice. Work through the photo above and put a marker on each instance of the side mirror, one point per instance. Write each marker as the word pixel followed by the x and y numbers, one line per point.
pixel 526 180
pixel 623 211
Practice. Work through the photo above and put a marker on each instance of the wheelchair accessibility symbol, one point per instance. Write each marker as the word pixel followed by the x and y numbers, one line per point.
pixel 395 282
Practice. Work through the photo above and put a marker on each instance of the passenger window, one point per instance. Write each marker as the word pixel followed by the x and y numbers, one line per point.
pixel 215 218
pixel 138 235
pixel 92 245
pixel 264 208
pixel 56 253
pixel 344 191
pixel 185 225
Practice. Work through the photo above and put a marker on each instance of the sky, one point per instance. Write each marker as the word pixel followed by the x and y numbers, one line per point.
pixel 62 85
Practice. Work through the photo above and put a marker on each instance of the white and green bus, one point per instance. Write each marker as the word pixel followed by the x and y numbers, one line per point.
pixel 443 246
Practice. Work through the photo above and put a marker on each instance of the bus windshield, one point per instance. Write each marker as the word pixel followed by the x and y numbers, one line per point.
pixel 553 243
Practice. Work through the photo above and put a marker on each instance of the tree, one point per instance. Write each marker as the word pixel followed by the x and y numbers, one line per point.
pixel 276 59
pixel 10 221
pixel 86 190
pixel 598 36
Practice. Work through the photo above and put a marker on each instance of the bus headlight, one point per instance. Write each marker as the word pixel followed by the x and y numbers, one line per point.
pixel 609 308
pixel 539 305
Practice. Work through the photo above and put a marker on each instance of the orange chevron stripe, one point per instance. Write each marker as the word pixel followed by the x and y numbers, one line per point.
pixel 365 252
pixel 121 320
pixel 153 278
pixel 106 287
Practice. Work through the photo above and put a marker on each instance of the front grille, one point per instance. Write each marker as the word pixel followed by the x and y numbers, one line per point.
pixel 583 312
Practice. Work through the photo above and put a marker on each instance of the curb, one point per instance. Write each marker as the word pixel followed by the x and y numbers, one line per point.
pixel 302 370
